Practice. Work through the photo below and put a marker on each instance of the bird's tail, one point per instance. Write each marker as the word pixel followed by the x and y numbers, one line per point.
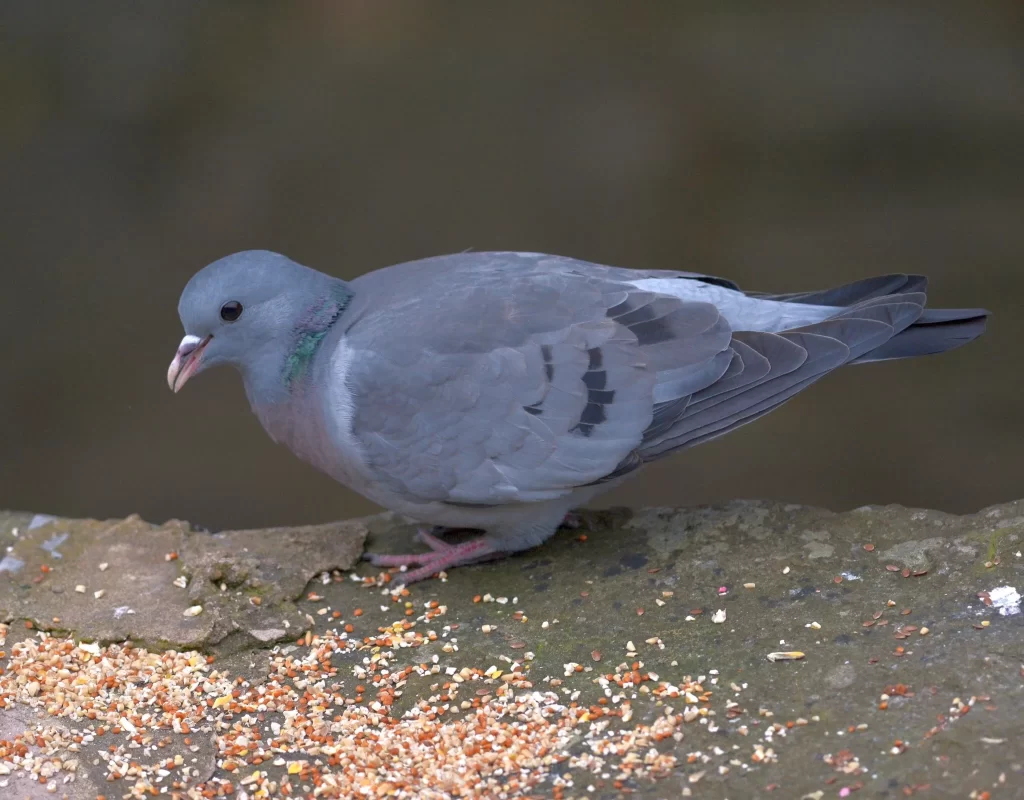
pixel 872 320
pixel 933 331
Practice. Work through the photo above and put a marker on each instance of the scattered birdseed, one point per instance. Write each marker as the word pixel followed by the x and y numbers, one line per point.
pixel 869 547
pixel 749 585
pixel 785 570
pixel 80 588
pixel 103 566
pixel 347 752
pixel 192 611
pixel 718 616
pixel 181 582
pixel 99 593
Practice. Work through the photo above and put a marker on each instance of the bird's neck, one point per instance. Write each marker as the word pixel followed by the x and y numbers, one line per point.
pixel 317 320
pixel 283 371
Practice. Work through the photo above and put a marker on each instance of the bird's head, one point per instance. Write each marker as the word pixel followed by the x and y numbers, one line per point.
pixel 247 309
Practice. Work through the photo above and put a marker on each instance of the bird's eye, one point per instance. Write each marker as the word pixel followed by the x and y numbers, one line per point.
pixel 231 311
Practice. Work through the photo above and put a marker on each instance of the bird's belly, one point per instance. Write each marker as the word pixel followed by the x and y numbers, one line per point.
pixel 485 518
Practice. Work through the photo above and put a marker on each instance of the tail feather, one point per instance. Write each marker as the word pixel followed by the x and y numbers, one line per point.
pixel 935 331
pixel 932 331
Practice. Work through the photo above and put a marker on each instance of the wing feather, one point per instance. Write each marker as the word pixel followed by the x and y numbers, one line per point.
pixel 520 387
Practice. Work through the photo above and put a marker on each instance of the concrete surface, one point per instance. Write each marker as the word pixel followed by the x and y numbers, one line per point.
pixel 911 680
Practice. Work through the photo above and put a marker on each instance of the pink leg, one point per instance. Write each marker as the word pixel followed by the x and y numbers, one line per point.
pixel 442 556
pixel 573 521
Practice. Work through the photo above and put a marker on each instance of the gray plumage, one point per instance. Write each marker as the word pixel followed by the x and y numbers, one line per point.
pixel 497 391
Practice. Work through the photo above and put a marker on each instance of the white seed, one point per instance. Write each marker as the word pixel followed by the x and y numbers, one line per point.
pixel 785 655
pixel 192 611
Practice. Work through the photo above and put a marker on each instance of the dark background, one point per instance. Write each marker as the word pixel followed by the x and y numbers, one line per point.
pixel 785 147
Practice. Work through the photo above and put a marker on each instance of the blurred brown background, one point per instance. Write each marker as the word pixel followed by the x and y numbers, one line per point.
pixel 786 149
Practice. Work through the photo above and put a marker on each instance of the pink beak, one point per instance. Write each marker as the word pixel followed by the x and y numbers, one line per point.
pixel 186 361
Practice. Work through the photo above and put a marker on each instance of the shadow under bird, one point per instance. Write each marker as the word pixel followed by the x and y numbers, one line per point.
pixel 499 391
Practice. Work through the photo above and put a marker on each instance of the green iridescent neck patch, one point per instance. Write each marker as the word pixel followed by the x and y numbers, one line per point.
pixel 310 332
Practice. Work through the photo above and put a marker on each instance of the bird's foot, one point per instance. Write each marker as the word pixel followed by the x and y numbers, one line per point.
pixel 442 556
pixel 573 521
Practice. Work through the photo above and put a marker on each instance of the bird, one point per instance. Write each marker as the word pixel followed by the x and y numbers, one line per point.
pixel 497 392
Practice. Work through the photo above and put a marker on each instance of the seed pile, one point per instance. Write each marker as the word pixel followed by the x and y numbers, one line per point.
pixel 329 721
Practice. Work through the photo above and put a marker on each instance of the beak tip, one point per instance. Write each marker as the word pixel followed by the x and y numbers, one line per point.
pixel 186 362
pixel 172 375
